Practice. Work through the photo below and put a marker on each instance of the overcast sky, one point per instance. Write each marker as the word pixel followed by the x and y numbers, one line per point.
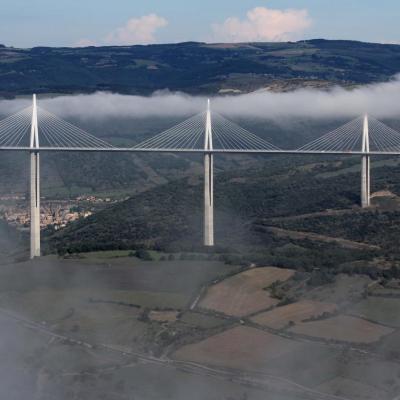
pixel 28 23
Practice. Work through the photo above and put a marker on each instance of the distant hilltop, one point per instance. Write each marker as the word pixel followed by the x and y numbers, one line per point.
pixel 196 68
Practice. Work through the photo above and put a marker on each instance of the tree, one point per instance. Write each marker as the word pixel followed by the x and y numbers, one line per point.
pixel 144 255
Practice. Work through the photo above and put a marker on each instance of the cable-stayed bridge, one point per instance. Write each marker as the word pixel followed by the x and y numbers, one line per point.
pixel 36 130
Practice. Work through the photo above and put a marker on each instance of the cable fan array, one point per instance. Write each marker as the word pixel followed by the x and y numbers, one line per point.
pixel 382 137
pixel 55 132
pixel 15 129
pixel 345 138
pixel 348 138
pixel 228 135
pixel 189 135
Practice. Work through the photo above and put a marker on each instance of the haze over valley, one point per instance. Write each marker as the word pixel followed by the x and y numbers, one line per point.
pixel 234 252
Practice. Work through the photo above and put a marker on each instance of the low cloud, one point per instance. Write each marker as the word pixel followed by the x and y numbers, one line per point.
pixel 380 100
pixel 85 43
pixel 263 24
pixel 140 30
pixel 137 31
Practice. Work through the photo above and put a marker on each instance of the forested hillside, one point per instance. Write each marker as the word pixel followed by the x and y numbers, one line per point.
pixel 259 212
pixel 195 67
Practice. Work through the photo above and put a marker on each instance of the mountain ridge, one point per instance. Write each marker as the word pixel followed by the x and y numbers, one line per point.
pixel 195 67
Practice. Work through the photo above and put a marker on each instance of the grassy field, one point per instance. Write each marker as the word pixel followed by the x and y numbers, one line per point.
pixel 51 304
pixel 250 349
pixel 379 309
pixel 245 293
pixel 343 328
pixel 240 347
pixel 344 290
pixel 120 274
pixel 111 254
pixel 109 298
pixel 284 316
pixel 340 386
pixel 163 316
pixel 51 369
pixel 202 321
pixel 104 255
pixel 131 305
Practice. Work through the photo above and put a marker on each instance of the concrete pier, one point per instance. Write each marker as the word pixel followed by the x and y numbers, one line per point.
pixel 35 184
pixel 208 183
pixel 365 167
pixel 208 201
pixel 35 205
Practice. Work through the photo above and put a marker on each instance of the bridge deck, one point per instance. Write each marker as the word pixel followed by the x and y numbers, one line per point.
pixel 200 151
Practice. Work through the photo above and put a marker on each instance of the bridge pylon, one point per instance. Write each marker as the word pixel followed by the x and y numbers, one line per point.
pixel 365 166
pixel 208 182
pixel 35 184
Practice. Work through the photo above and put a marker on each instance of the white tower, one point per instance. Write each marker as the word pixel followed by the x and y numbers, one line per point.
pixel 365 167
pixel 208 183
pixel 35 184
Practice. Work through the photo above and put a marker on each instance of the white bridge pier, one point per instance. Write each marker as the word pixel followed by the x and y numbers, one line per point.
pixel 35 184
pixel 365 167
pixel 208 183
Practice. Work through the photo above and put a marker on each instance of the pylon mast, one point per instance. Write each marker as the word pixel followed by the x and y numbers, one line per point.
pixel 365 166
pixel 208 182
pixel 35 183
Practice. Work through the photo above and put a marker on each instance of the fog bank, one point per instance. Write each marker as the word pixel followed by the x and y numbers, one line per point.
pixel 381 100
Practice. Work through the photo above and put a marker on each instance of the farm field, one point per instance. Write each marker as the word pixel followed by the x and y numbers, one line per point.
pixel 240 347
pixel 326 370
pixel 380 291
pixel 380 373
pixel 382 310
pixel 107 324
pixel 92 374
pixel 343 328
pixel 389 346
pixel 244 348
pixel 107 308
pixel 120 301
pixel 202 321
pixel 344 290
pixel 121 273
pixel 284 316
pixel 246 292
pixel 163 316
pixel 53 304
pixel 340 386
